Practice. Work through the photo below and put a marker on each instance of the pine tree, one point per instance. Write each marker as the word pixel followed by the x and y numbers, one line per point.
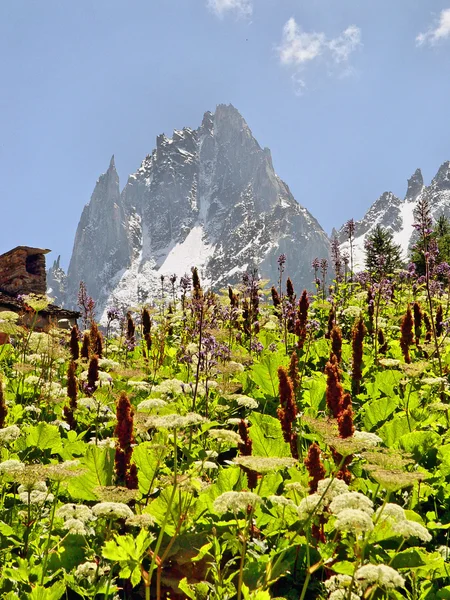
pixel 383 256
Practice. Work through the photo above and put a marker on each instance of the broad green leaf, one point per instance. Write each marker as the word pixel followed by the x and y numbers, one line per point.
pixel 53 592
pixel 265 374
pixel 385 381
pixel 5 529
pixel 420 443
pixel 393 430
pixel 99 464
pixel 173 508
pixel 147 464
pixel 444 457
pixel 267 436
pixel 44 437
pixel 314 392
pixel 377 411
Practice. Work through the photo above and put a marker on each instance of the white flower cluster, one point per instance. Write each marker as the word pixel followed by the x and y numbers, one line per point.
pixel 235 502
pixel 88 570
pixel 37 493
pixel 32 380
pixel 174 421
pixel 140 386
pixel 53 390
pixel 225 436
pixel 381 575
pixel 9 434
pixel 353 521
pixel 369 440
pixel 396 516
pixel 11 467
pixel 75 511
pixel 151 404
pixel 353 500
pixel 327 490
pixel 108 365
pixel 246 402
pixel 170 387
pixel 112 510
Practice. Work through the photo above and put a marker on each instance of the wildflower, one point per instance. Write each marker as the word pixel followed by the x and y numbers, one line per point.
pixel 124 433
pixel 36 493
pixel 76 527
pixel 151 404
pixel 334 390
pixel 235 502
pixel 338 582
pixel 408 529
pixel 380 575
pixel 115 493
pixel 358 333
pixel 30 408
pixel 95 340
pixel 393 480
pixel 73 344
pixel 32 380
pixel 417 310
pixel 3 407
pixel 75 511
pixel 330 488
pixel 206 464
pixel 433 380
pixel 343 595
pixel 301 323
pixel 175 421
pixel 143 521
pixel 382 343
pixel 345 418
pixel 108 365
pixel 390 511
pixel 315 467
pixel 85 350
pixel 224 435
pixel 72 393
pixel 439 321
pixel 353 500
pixel 389 362
pixel 11 466
pixel 63 471
pixel 170 387
pixel 281 501
pixel 92 376
pixel 309 506
pixel 112 510
pixel 287 412
pixel 246 402
pixel 293 372
pixel 264 464
pixel 353 521
pixel 9 434
pixel 407 337
pixel 336 342
pixel 88 570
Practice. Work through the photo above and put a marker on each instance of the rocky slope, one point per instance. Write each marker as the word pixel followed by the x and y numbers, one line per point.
pixel 397 214
pixel 208 198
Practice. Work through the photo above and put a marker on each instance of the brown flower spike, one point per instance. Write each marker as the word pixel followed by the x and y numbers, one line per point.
pixel 358 333
pixel 287 412
pixel 335 390
pixel 125 472
pixel 316 470
pixel 407 336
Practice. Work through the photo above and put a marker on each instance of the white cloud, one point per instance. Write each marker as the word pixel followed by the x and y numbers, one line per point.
pixel 437 33
pixel 342 46
pixel 242 8
pixel 299 47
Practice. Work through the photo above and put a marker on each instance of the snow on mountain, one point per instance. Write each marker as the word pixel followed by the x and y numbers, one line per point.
pixel 397 215
pixel 208 198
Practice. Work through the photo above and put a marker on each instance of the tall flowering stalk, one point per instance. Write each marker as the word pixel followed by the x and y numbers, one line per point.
pixel 74 346
pixel 330 322
pixel 407 335
pixel 130 333
pixel 95 340
pixel 92 377
pixel 87 305
pixel 418 315
pixel 85 347
pixel 350 231
pixel 72 393
pixel 345 417
pixel 314 465
pixel 370 311
pixel 245 449
pixel 335 391
pixel 439 321
pixel 302 321
pixel 126 472
pixel 294 372
pixel 358 333
pixel 287 412
pixel 3 407
pixel 336 257
pixel 336 343
pixel 382 343
pixel 147 329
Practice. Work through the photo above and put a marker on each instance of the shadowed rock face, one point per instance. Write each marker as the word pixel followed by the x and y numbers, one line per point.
pixel 208 198
pixel 397 215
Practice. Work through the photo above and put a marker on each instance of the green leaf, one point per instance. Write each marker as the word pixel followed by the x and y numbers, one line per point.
pixel 267 436
pixel 5 529
pixel 99 464
pixel 314 392
pixel 265 374
pixel 44 437
pixel 175 507
pixel 384 381
pixel 378 411
pixel 393 430
pixel 408 559
pixel 420 443
pixel 147 464
pixel 53 592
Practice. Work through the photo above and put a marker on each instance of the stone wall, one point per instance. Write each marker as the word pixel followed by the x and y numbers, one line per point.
pixel 22 271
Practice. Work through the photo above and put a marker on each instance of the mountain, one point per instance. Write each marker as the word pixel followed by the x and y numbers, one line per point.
pixel 397 215
pixel 206 197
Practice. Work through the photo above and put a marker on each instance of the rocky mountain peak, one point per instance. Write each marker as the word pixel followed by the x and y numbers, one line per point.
pixel 206 197
pixel 415 185
pixel 442 178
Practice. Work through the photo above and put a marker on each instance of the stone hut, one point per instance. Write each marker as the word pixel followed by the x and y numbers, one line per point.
pixel 22 271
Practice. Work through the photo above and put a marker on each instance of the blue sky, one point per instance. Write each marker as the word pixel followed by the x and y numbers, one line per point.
pixel 351 96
